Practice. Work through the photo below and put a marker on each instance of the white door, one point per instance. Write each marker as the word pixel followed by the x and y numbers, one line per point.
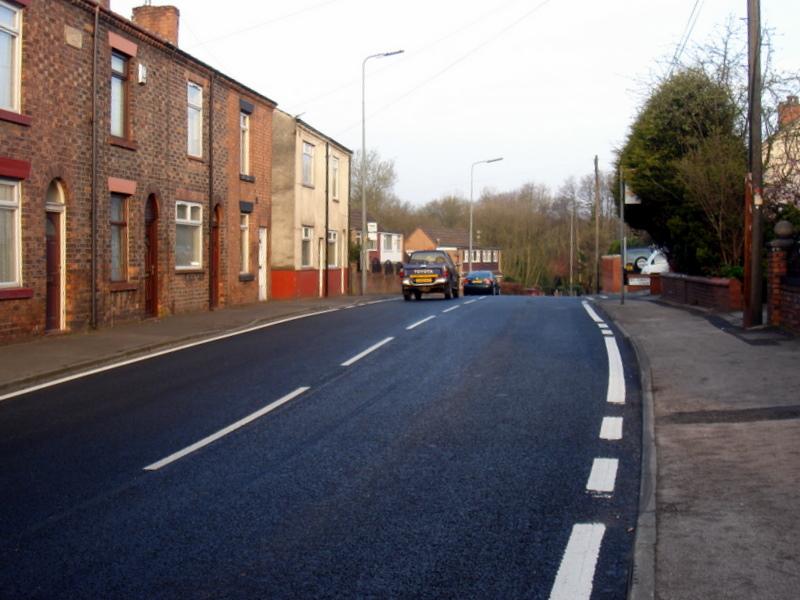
pixel 262 263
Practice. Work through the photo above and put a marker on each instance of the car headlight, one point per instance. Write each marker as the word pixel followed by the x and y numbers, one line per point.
pixel 406 281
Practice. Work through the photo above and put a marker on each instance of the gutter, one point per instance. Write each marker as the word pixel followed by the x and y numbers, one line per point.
pixel 327 204
pixel 213 261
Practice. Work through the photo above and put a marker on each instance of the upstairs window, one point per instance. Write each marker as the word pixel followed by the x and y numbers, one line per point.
pixel 305 246
pixel 244 143
pixel 188 235
pixel 10 243
pixel 10 50
pixel 119 95
pixel 335 178
pixel 308 164
pixel 387 242
pixel 195 119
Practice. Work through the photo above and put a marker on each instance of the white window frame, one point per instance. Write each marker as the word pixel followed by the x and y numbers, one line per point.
pixel 197 234
pixel 122 76
pixel 335 178
pixel 307 169
pixel 15 78
pixel 15 206
pixel 306 236
pixel 333 238
pixel 194 147
pixel 244 143
pixel 387 241
pixel 122 227
pixel 244 243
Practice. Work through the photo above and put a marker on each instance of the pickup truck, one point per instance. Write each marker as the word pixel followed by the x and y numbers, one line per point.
pixel 429 271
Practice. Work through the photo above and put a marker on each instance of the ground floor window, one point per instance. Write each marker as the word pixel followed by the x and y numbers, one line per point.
pixel 332 247
pixel 188 235
pixel 244 243
pixel 118 222
pixel 305 246
pixel 10 254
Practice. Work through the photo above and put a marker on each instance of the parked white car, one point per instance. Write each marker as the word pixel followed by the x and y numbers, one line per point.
pixel 656 263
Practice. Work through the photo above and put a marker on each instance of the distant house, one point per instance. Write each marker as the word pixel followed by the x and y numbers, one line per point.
pixel 782 155
pixel 456 243
pixel 382 246
pixel 310 193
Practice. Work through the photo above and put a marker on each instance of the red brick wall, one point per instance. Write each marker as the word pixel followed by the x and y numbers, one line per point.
pixel 611 274
pixel 790 307
pixel 717 293
pixel 57 101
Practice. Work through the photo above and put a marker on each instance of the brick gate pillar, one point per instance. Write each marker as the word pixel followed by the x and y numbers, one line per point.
pixel 776 269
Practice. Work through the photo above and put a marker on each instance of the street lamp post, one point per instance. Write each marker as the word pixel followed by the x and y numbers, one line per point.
pixel 364 234
pixel 471 182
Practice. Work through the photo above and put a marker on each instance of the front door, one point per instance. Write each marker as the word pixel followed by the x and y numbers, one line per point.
pixel 151 258
pixel 53 257
pixel 262 263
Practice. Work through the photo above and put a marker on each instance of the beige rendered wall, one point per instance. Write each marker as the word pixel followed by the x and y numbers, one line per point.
pixel 284 153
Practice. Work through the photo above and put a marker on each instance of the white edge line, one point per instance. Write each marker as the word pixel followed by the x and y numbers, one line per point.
pixel 137 359
pixel 615 393
pixel 418 323
pixel 611 428
pixel 361 355
pixel 223 432
pixel 590 311
pixel 576 572
pixel 447 310
pixel 603 475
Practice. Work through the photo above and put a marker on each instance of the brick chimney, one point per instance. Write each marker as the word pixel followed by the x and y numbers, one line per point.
pixel 161 21
pixel 789 111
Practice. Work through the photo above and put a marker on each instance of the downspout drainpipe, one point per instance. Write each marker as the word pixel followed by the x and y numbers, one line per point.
pixel 213 262
pixel 327 203
pixel 94 164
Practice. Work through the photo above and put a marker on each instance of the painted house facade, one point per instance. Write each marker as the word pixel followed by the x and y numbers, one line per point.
pixel 311 188
pixel 456 244
pixel 138 186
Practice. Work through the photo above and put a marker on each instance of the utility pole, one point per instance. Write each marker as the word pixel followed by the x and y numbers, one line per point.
pixel 571 242
pixel 753 314
pixel 622 240
pixel 596 227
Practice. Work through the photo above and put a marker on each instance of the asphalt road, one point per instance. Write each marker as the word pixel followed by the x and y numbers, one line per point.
pixel 450 462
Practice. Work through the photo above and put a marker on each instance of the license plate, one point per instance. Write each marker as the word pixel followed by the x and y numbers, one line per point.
pixel 423 280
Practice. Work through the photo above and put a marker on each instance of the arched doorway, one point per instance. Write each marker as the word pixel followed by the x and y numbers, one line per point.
pixel 55 256
pixel 214 251
pixel 151 256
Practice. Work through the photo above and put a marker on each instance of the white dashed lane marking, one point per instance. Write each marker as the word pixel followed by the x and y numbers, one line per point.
pixel 361 355
pixel 603 475
pixel 611 429
pixel 576 573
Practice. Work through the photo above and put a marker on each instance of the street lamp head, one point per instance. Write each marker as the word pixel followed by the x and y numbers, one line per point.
pixel 393 53
pixel 491 160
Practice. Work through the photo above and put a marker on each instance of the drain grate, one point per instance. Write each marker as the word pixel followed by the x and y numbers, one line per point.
pixel 744 415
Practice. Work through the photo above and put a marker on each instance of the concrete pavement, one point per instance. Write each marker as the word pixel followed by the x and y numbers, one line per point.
pixel 726 419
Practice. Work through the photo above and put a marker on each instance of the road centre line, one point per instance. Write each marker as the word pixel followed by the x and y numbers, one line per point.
pixel 603 475
pixel 137 359
pixel 576 572
pixel 470 301
pixel 611 428
pixel 616 375
pixel 418 323
pixel 447 310
pixel 361 355
pixel 223 432
pixel 595 317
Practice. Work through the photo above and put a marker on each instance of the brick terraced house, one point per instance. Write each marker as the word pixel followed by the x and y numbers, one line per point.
pixel 135 180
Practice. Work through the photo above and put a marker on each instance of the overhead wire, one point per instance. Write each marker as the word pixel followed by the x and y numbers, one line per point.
pixel 686 35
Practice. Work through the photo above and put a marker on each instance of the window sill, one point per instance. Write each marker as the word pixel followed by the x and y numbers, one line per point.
pixel 246 277
pixel 16 293
pixel 308 185
pixel 180 271
pixel 122 286
pixel 247 178
pixel 198 159
pixel 12 117
pixel 123 143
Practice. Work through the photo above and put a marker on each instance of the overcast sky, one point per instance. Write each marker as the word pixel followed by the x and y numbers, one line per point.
pixel 546 84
